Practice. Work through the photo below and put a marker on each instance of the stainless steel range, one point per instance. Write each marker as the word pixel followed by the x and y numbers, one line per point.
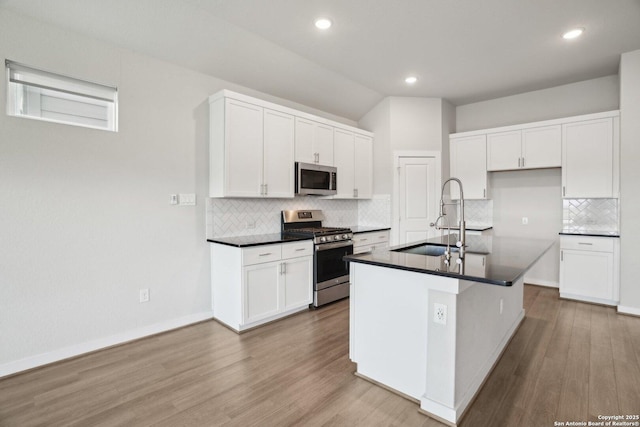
pixel 331 244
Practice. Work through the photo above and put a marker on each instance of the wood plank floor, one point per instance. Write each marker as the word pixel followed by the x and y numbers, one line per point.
pixel 569 361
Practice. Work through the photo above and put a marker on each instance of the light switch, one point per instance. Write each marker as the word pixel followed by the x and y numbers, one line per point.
pixel 187 199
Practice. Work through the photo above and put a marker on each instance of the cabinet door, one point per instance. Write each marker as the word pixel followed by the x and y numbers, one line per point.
pixel 278 154
pixel 363 166
pixel 475 265
pixel 261 291
pixel 243 149
pixel 588 274
pixel 469 165
pixel 542 147
pixel 323 144
pixel 298 282
pixel 503 151
pixel 587 159
pixel 344 160
pixel 304 151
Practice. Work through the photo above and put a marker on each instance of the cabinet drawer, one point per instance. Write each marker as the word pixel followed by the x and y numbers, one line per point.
pixel 260 254
pixel 596 244
pixel 371 238
pixel 297 249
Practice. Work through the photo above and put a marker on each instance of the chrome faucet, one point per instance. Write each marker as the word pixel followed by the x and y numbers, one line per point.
pixel 463 230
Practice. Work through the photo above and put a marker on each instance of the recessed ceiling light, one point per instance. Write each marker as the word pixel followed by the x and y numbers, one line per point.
pixel 572 34
pixel 411 80
pixel 323 23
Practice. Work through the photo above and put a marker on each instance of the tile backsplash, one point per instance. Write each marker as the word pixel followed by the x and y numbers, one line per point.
pixel 242 217
pixel 590 214
pixel 478 212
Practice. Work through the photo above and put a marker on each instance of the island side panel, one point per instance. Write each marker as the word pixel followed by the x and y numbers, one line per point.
pixel 456 371
pixel 389 323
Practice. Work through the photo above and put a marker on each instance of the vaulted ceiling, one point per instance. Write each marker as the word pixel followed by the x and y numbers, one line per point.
pixel 461 50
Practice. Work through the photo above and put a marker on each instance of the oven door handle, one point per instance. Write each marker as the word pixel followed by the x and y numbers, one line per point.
pixel 327 246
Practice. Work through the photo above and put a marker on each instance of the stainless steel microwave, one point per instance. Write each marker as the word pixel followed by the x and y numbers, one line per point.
pixel 317 180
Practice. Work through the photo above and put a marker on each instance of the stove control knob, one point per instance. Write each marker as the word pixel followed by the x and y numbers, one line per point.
pixel 345 236
pixel 323 239
pixel 336 237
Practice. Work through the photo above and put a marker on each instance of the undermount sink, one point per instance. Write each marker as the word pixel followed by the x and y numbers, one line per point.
pixel 430 250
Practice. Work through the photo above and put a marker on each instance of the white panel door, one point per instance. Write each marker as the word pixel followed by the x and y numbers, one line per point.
pixel 469 165
pixel 417 198
pixel 298 282
pixel 261 291
pixel 542 147
pixel 304 151
pixel 278 154
pixel 243 149
pixel 587 159
pixel 323 144
pixel 344 160
pixel 588 274
pixel 503 150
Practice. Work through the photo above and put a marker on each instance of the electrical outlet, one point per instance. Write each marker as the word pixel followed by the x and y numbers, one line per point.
pixel 525 220
pixel 440 313
pixel 144 295
pixel 173 199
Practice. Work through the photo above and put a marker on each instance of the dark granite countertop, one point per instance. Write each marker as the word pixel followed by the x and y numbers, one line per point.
pixel 506 259
pixel 475 227
pixel 592 233
pixel 367 228
pixel 256 240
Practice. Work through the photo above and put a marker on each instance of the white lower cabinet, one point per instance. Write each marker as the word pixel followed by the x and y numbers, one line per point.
pixel 475 264
pixel 589 269
pixel 258 284
pixel 370 241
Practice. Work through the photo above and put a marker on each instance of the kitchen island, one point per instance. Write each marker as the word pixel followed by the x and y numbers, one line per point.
pixel 433 331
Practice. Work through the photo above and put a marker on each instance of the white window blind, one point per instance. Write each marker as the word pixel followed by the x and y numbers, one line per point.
pixel 43 95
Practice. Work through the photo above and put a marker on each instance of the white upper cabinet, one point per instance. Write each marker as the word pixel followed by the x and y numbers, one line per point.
pixel 469 165
pixel 251 151
pixel 542 147
pixel 530 148
pixel 314 142
pixel 278 176
pixel 254 144
pixel 353 154
pixel 590 158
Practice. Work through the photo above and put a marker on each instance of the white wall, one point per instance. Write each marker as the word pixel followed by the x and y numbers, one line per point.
pixel 590 96
pixel 405 123
pixel 629 179
pixel 536 195
pixel 85 214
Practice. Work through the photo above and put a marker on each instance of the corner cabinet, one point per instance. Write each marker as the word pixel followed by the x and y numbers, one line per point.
pixel 370 241
pixel 251 150
pixel 590 269
pixel 590 158
pixel 258 284
pixel 353 156
pixel 469 165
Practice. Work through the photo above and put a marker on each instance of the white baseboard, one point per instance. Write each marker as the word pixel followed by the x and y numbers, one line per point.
pixel 541 282
pixel 629 310
pixel 98 344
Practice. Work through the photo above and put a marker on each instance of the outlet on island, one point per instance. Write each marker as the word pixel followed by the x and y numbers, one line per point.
pixel 144 295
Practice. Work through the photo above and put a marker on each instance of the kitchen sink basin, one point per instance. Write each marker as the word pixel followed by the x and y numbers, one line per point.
pixel 430 250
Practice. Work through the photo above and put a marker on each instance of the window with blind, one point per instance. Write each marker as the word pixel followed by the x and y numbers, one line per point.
pixel 41 95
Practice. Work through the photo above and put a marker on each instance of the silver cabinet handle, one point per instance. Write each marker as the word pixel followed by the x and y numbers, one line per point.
pixel 564 191
pixel 523 162
pixel 561 255
pixel 301 249
pixel 484 192
pixel 266 189
pixel 584 243
pixel 519 161
pixel 265 254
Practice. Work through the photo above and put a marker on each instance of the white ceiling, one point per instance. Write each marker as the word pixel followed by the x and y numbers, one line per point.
pixel 461 50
